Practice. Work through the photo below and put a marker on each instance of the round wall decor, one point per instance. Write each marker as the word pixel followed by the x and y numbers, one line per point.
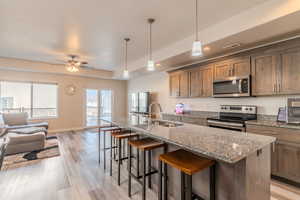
pixel 70 90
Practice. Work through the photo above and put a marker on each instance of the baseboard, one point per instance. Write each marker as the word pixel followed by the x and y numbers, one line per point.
pixel 66 130
pixel 287 181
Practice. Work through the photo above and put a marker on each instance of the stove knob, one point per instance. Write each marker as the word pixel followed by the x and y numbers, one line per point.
pixel 250 109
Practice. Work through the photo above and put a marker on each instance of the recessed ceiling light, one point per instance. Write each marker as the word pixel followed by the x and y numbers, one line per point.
pixel 207 48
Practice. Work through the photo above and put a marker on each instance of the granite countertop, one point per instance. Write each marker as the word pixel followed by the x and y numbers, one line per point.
pixel 272 123
pixel 195 114
pixel 220 144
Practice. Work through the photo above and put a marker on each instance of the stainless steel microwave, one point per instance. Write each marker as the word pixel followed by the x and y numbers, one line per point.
pixel 232 87
pixel 293 110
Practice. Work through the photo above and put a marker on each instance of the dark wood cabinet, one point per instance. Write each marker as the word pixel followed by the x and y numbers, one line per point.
pixel 285 157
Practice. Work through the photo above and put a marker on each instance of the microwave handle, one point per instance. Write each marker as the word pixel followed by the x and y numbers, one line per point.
pixel 240 86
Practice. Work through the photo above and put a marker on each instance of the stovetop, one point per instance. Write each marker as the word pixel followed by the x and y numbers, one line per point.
pixel 229 119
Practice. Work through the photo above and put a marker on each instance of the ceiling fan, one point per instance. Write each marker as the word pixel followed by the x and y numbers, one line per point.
pixel 73 64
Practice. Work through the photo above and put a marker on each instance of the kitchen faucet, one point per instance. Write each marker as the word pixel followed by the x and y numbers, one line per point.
pixel 150 109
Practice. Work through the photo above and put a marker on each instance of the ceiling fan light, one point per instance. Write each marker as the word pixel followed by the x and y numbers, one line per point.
pixel 150 65
pixel 126 74
pixel 72 68
pixel 197 48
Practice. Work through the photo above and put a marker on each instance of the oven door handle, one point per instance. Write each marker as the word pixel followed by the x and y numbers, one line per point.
pixel 225 123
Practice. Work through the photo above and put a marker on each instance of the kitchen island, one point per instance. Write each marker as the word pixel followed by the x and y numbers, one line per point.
pixel 243 159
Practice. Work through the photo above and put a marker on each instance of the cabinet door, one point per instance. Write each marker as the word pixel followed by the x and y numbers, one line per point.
pixel 289 72
pixel 288 161
pixel 174 85
pixel 241 67
pixel 263 71
pixel 223 70
pixel 195 83
pixel 184 84
pixel 207 81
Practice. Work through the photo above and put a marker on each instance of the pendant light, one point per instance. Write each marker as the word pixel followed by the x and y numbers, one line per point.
pixel 197 45
pixel 126 72
pixel 150 64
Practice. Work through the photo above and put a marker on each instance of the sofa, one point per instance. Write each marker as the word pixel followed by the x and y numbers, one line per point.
pixel 23 136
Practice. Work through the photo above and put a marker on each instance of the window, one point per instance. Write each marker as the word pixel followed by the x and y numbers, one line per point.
pixel 98 104
pixel 39 100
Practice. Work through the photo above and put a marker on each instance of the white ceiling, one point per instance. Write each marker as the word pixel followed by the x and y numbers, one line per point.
pixel 49 30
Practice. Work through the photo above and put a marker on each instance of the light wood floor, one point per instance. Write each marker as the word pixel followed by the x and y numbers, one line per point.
pixel 76 175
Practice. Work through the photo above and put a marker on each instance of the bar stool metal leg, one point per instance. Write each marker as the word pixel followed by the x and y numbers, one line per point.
pixel 182 176
pixel 144 174
pixel 111 150
pixel 129 169
pixel 165 181
pixel 119 161
pixel 149 170
pixel 212 182
pixel 189 187
pixel 99 145
pixel 104 151
pixel 160 180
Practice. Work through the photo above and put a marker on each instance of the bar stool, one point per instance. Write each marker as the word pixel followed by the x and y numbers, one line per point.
pixel 189 164
pixel 104 130
pixel 120 136
pixel 145 145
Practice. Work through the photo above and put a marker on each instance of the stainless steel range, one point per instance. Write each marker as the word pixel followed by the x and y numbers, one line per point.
pixel 233 117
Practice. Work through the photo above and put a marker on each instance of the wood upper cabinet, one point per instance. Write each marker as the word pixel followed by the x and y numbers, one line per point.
pixel 264 71
pixel 223 70
pixel 207 81
pixel 233 67
pixel 174 84
pixel 276 73
pixel 195 83
pixel 289 72
pixel 241 67
pixel 179 84
pixel 184 84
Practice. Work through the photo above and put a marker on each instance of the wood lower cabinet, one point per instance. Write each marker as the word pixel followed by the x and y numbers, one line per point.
pixel 288 160
pixel 285 158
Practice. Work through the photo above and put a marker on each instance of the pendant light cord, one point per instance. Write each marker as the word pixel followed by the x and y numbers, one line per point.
pixel 126 49
pixel 150 42
pixel 197 21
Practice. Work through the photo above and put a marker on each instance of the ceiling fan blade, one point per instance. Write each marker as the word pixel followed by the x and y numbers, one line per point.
pixel 87 67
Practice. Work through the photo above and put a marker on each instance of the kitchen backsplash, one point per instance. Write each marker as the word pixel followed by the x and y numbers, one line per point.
pixel 158 84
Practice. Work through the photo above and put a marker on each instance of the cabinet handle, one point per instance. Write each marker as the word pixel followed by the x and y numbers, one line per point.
pixel 279 87
pixel 274 88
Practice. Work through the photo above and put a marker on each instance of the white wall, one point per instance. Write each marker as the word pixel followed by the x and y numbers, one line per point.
pixel 159 84
pixel 71 109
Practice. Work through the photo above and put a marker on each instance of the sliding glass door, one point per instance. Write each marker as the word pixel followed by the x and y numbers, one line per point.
pixel 98 104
